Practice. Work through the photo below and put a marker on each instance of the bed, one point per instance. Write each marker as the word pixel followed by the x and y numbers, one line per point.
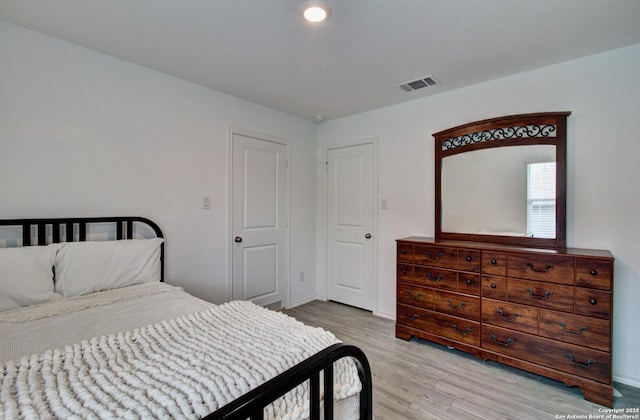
pixel 89 329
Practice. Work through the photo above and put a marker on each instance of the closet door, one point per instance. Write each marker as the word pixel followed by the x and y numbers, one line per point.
pixel 259 221
pixel 350 223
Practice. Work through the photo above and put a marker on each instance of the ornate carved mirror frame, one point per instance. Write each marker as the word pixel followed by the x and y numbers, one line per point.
pixel 515 130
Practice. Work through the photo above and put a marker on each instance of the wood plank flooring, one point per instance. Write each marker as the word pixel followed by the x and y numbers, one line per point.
pixel 421 380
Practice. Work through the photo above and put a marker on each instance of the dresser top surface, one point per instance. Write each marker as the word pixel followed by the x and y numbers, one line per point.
pixel 596 253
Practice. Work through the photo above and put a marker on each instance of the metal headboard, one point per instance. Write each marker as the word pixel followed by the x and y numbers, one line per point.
pixel 75 228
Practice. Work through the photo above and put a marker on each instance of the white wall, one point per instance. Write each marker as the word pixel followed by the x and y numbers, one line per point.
pixel 603 202
pixel 85 134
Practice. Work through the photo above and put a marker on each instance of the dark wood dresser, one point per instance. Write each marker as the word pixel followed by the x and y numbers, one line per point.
pixel 541 310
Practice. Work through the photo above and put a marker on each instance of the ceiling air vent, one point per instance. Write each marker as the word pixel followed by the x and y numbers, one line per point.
pixel 419 84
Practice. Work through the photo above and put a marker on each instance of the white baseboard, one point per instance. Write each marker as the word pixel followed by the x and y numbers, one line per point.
pixel 302 302
pixel 627 380
pixel 391 317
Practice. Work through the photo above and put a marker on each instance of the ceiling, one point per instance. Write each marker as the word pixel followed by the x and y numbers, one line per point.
pixel 262 51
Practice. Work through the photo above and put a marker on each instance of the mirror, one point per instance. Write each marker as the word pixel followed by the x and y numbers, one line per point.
pixel 509 210
pixel 503 180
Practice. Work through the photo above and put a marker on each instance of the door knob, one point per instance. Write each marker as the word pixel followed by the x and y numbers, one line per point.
pixel 238 239
pixel 367 236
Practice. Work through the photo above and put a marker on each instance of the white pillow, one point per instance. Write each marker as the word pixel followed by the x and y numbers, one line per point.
pixel 85 267
pixel 26 275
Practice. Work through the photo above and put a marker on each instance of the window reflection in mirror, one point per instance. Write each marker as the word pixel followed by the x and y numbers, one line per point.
pixel 486 192
pixel 541 199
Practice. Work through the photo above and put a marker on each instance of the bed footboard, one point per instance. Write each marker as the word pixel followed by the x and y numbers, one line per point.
pixel 251 405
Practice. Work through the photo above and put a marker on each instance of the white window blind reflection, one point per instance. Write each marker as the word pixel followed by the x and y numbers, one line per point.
pixel 541 199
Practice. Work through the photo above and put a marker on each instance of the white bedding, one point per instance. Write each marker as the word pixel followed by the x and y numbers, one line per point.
pixel 54 324
pixel 235 347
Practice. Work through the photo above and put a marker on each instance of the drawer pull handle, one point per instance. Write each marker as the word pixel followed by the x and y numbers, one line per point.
pixel 413 318
pixel 506 317
pixel 460 306
pixel 593 272
pixel 593 301
pixel 437 257
pixel 462 333
pixel 494 262
pixel 545 297
pixel 586 365
pixel 493 285
pixel 570 331
pixel 404 271
pixel 539 270
pixel 417 296
pixel 404 251
pixel 468 281
pixel 501 343
pixel 468 258
pixel 434 279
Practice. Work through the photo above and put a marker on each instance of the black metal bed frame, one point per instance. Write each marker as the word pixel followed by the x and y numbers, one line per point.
pixel 250 405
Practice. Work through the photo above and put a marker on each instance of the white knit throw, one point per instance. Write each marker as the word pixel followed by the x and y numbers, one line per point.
pixel 186 367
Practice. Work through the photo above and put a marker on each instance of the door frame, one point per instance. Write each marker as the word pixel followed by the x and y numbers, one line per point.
pixel 229 245
pixel 324 259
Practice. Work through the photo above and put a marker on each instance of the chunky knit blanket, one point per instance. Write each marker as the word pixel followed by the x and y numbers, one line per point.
pixel 181 368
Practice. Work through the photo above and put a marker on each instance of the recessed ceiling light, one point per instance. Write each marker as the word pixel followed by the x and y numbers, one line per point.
pixel 316 11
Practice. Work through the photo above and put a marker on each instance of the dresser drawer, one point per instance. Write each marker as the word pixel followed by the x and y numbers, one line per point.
pixel 414 317
pixel 596 303
pixel 469 260
pixel 404 272
pixel 457 329
pixel 544 295
pixel 464 306
pixel 435 277
pixel 581 361
pixel 576 329
pixel 469 283
pixel 594 273
pixel 415 295
pixel 494 263
pixel 551 268
pixel 450 327
pixel 510 315
pixel 405 253
pixel 434 256
pixel 494 287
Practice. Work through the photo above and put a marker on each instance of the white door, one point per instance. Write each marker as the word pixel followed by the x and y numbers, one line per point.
pixel 259 221
pixel 350 222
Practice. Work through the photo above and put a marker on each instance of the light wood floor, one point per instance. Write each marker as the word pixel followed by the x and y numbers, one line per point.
pixel 421 380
